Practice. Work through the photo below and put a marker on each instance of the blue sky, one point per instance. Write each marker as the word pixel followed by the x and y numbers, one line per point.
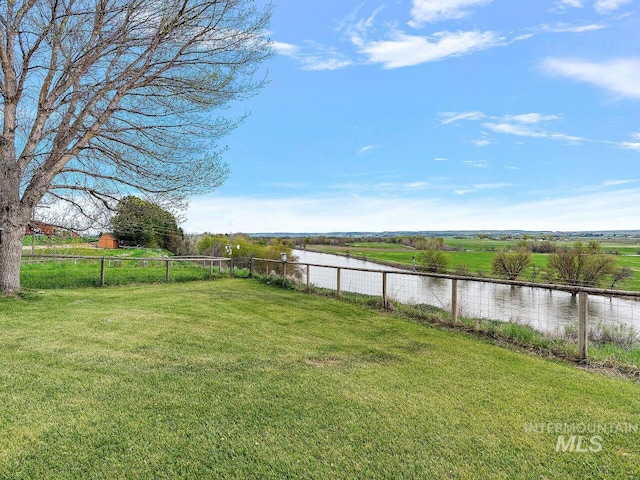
pixel 438 115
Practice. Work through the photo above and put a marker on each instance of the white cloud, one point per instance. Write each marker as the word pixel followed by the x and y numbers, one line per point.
pixel 513 129
pixel 530 118
pixel 606 210
pixel 476 163
pixel 404 50
pixel 620 76
pixel 615 183
pixel 481 143
pixel 286 49
pixel 491 186
pixel 417 185
pixel 313 57
pixel 525 130
pixel 451 117
pixel 608 6
pixel 568 28
pixel 366 149
pixel 571 3
pixel 428 11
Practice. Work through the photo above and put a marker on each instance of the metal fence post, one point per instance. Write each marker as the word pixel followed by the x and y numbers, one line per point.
pixel 583 315
pixel 454 301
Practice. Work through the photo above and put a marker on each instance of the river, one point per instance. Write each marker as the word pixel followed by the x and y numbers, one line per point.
pixel 551 311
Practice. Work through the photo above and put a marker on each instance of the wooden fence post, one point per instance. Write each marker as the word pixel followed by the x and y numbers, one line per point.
pixel 251 267
pixel 454 301
pixel 102 272
pixel 385 299
pixel 583 315
pixel 231 267
pixel 211 268
pixel 308 276
pixel 338 281
pixel 166 273
pixel 284 270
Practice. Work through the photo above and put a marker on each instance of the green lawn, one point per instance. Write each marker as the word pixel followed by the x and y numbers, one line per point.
pixel 236 379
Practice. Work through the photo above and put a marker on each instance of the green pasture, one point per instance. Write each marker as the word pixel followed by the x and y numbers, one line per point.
pixel 237 379
pixel 85 273
pixel 476 255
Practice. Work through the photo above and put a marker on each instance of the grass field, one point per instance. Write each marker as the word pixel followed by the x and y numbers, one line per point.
pixel 476 255
pixel 236 379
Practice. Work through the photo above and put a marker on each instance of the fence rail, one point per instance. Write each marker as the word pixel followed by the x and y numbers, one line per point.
pixel 613 310
pixel 54 271
pixel 581 313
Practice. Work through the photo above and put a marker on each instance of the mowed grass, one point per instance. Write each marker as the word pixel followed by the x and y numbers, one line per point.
pixel 236 379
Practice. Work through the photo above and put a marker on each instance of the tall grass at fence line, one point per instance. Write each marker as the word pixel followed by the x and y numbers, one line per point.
pixel 605 348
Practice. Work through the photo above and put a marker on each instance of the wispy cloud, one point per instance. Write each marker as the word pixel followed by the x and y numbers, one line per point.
pixel 491 186
pixel 452 117
pixel 313 56
pixel 429 11
pixel 288 185
pixel 417 185
pixel 607 210
pixel 286 49
pixel 571 3
pixel 609 6
pixel 615 183
pixel 391 47
pixel 365 149
pixel 482 186
pixel 618 76
pixel 533 125
pixel 605 7
pixel 521 125
pixel 403 50
pixel 571 28
pixel 476 163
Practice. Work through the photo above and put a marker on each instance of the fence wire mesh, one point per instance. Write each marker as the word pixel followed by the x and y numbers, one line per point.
pixel 550 311
pixel 45 272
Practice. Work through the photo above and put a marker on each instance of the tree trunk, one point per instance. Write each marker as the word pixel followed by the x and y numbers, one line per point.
pixel 10 254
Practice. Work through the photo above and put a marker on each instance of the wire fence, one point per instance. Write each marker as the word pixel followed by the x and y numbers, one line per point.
pixel 64 271
pixel 576 315
pixel 573 314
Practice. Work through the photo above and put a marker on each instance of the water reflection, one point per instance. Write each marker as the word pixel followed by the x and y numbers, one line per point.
pixel 545 310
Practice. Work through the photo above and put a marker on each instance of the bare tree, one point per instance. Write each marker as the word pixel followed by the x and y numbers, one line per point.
pixel 103 98
pixel 511 264
pixel 581 264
